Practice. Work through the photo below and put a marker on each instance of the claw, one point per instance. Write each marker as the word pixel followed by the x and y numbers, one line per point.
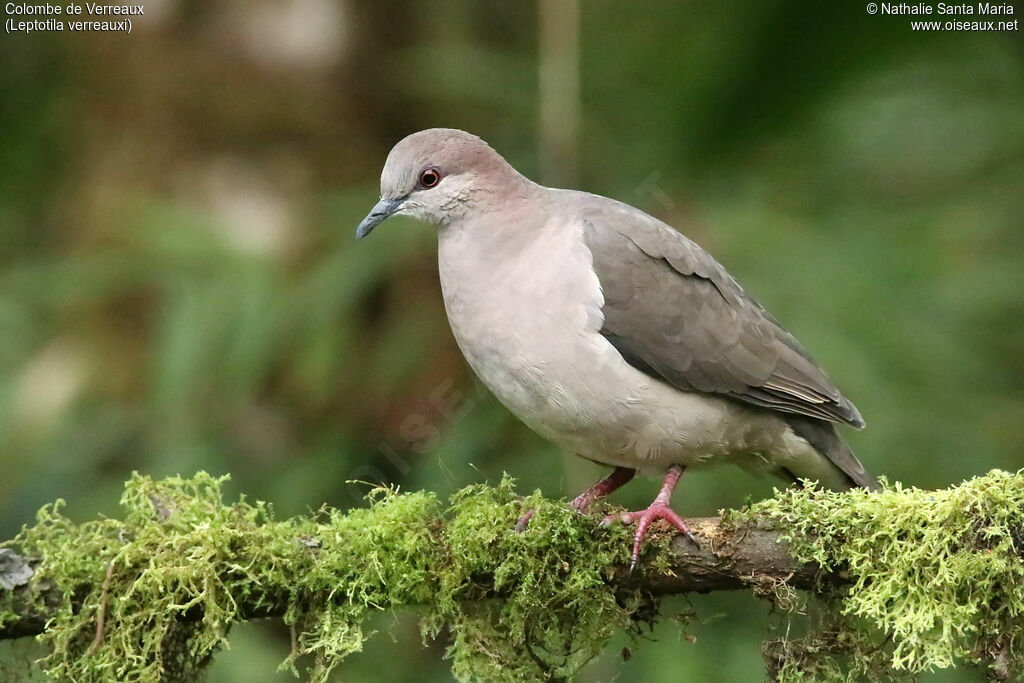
pixel 524 521
pixel 618 477
pixel 659 509
pixel 644 519
pixel 621 518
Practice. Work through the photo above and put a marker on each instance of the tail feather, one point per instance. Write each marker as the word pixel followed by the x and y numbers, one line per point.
pixel 823 437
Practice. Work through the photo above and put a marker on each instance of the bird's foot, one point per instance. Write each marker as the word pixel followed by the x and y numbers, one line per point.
pixel 523 521
pixel 643 520
pixel 618 477
pixel 583 501
pixel 659 509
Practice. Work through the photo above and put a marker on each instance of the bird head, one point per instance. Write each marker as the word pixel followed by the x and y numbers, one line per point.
pixel 438 175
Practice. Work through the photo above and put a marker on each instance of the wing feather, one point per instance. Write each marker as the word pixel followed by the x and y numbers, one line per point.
pixel 674 312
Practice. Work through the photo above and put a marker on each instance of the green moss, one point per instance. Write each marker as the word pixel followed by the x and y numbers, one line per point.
pixel 181 563
pixel 556 610
pixel 937 578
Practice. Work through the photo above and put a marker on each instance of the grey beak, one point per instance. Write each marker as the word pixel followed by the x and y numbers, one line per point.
pixel 378 214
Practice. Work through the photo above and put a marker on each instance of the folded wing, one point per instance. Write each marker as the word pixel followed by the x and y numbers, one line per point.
pixel 674 312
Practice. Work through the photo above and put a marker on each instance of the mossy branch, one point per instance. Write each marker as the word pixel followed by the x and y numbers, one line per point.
pixel 730 557
pixel 911 579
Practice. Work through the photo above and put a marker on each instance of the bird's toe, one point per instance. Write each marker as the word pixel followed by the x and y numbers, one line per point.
pixel 524 521
pixel 643 520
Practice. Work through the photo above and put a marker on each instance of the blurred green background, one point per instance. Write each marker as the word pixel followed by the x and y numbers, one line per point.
pixel 180 288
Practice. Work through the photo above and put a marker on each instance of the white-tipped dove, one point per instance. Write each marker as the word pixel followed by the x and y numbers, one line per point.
pixel 611 334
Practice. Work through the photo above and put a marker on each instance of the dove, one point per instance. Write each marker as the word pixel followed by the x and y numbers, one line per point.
pixel 612 334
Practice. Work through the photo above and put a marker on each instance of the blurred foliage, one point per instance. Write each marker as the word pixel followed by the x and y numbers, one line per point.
pixel 179 288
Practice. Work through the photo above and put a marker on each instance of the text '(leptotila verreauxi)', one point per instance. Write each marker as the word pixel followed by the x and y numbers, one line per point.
pixel 610 333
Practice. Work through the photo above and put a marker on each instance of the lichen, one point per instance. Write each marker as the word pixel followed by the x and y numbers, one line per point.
pixel 937 578
pixel 153 595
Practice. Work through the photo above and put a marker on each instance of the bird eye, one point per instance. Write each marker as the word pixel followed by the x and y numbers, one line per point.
pixel 429 177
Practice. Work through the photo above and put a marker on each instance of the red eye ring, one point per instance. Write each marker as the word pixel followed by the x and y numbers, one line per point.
pixel 430 177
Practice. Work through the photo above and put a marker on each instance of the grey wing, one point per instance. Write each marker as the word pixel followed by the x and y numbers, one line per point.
pixel 674 312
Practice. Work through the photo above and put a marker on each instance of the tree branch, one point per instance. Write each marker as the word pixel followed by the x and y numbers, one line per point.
pixel 182 566
pixel 729 558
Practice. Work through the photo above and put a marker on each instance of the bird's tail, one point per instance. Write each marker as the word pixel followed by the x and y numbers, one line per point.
pixel 823 437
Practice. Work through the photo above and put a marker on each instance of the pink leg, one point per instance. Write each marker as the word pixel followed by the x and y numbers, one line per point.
pixel 659 509
pixel 618 477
